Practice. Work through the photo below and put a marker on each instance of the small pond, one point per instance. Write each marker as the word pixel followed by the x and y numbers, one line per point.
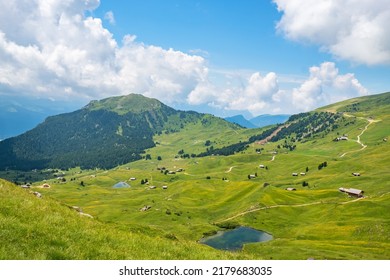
pixel 233 240
pixel 121 185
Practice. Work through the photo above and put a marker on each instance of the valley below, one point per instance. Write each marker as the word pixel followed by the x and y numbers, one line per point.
pixel 282 179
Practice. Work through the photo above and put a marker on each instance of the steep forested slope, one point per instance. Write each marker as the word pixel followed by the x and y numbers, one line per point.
pixel 103 134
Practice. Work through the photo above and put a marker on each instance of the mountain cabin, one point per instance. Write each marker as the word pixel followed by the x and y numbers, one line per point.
pixel 352 192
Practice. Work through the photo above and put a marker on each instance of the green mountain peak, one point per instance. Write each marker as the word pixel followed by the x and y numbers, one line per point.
pixel 134 103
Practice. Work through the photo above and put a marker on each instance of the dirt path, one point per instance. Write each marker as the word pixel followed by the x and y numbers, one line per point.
pixel 384 194
pixel 286 205
pixel 370 121
pixel 230 169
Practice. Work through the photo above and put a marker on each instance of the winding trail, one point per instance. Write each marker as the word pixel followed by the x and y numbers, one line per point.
pixel 287 205
pixel 273 158
pixel 384 194
pixel 370 121
pixel 230 169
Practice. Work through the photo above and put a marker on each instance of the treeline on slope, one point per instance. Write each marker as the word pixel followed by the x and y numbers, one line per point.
pixel 237 147
pixel 90 139
pixel 83 138
pixel 300 126
pixel 177 121
pixel 306 125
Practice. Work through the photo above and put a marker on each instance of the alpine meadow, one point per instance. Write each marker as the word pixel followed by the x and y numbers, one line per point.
pixel 194 138
pixel 128 177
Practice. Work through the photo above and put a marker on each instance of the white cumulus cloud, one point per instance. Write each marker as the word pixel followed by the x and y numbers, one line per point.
pixel 325 85
pixel 254 93
pixel 260 94
pixel 51 49
pixel 353 30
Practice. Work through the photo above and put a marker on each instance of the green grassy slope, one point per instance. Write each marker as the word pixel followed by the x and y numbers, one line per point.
pixel 315 221
pixel 371 105
pixel 41 228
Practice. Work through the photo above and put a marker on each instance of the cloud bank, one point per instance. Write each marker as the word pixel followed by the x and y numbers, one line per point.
pixel 258 94
pixel 325 86
pixel 52 49
pixel 352 30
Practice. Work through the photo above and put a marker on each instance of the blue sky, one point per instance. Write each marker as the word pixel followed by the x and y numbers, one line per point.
pixel 232 34
pixel 224 57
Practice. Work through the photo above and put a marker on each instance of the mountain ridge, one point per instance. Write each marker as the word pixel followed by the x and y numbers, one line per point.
pixel 102 134
pixel 267 119
pixel 240 120
pixel 117 130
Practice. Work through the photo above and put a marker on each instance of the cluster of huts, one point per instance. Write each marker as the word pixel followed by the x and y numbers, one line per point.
pixel 170 172
pixel 341 138
pixel 252 176
pixel 351 191
pixel 296 174
pixel 27 186
pixel 154 187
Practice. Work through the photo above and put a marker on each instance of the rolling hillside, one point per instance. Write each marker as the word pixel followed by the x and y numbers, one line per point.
pixel 44 229
pixel 286 184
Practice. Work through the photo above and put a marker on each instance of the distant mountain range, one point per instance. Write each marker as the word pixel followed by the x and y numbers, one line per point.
pixel 16 120
pixel 259 121
pixel 20 114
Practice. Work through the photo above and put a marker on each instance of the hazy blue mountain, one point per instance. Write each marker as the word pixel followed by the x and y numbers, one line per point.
pixel 264 120
pixel 15 121
pixel 259 121
pixel 20 114
pixel 240 120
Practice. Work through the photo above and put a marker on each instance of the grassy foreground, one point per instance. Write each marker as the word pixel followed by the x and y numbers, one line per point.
pixel 43 229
